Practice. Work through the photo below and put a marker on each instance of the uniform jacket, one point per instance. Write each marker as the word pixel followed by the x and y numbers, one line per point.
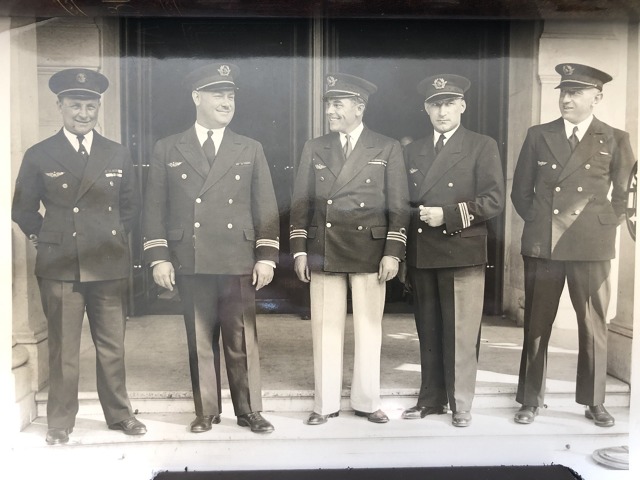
pixel 466 180
pixel 217 220
pixel 347 214
pixel 90 205
pixel 563 197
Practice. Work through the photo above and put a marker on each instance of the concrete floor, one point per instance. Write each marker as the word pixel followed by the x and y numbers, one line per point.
pixel 157 365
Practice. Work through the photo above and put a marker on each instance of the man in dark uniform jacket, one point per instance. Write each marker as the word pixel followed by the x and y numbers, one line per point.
pixel 456 184
pixel 560 186
pixel 211 225
pixel 348 230
pixel 87 185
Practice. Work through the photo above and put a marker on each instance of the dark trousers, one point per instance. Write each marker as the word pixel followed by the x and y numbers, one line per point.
pixel 448 311
pixel 590 292
pixel 214 305
pixel 64 305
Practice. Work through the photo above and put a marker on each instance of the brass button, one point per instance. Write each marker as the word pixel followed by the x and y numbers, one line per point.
pixel 558 189
pixel 197 224
pixel 577 212
pixel 329 202
pixel 579 189
pixel 110 208
pixel 64 185
pixel 230 201
pixel 322 179
pixel 419 230
pixel 113 232
pixel 73 234
pixel 198 200
pixel 111 182
pixel 184 175
pixel 328 224
pixel 450 184
pixel 587 166
pixel 554 166
pixel 444 231
pixel 359 227
pixel 76 209
pixel 237 177
pixel 556 211
pixel 229 226
pixel 362 204
pixel 368 180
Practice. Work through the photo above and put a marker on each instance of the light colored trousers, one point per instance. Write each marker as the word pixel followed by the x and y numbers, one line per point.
pixel 328 315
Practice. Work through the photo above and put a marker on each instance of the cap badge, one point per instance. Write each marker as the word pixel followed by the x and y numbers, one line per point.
pixel 331 81
pixel 568 69
pixel 224 70
pixel 81 78
pixel 439 83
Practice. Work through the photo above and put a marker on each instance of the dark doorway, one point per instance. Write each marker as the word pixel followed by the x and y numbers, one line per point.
pixel 396 55
pixel 275 104
pixel 272 106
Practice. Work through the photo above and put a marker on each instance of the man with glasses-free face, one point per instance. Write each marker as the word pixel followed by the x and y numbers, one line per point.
pixel 348 230
pixel 456 185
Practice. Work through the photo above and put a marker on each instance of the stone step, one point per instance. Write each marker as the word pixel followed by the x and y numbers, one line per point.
pixel 487 397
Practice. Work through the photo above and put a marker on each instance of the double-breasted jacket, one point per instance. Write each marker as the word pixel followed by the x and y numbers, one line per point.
pixel 467 182
pixel 347 214
pixel 564 197
pixel 90 206
pixel 210 220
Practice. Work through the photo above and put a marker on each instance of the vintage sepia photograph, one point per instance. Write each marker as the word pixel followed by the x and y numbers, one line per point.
pixel 314 236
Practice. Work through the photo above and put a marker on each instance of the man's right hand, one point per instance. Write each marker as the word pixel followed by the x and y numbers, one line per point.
pixel 301 268
pixel 164 275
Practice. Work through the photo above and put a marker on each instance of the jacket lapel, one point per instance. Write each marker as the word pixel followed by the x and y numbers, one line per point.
pixel 100 156
pixel 590 144
pixel 364 151
pixel 450 155
pixel 62 152
pixel 189 147
pixel 230 149
pixel 331 155
pixel 556 139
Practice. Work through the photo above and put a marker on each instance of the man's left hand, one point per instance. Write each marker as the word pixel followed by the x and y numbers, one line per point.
pixel 262 275
pixel 388 268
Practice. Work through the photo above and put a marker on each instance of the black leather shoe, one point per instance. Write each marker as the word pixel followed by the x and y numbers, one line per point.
pixel 417 412
pixel 461 419
pixel 600 416
pixel 202 423
pixel 130 426
pixel 257 423
pixel 58 436
pixel 317 419
pixel 376 417
pixel 526 415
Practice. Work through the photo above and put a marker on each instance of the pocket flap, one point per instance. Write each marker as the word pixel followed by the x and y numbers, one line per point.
pixel 474 231
pixel 379 232
pixel 311 233
pixel 250 234
pixel 50 237
pixel 608 219
pixel 174 235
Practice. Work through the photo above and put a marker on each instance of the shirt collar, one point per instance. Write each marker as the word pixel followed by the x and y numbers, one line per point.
pixel 582 127
pixel 73 139
pixel 447 135
pixel 202 134
pixel 354 135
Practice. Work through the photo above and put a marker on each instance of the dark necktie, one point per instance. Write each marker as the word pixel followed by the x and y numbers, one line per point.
pixel 573 139
pixel 439 144
pixel 81 149
pixel 209 148
pixel 347 148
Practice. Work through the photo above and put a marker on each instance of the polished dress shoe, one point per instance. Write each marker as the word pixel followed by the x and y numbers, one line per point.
pixel 317 419
pixel 58 436
pixel 130 426
pixel 461 419
pixel 202 423
pixel 600 416
pixel 417 412
pixel 376 417
pixel 527 414
pixel 256 421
